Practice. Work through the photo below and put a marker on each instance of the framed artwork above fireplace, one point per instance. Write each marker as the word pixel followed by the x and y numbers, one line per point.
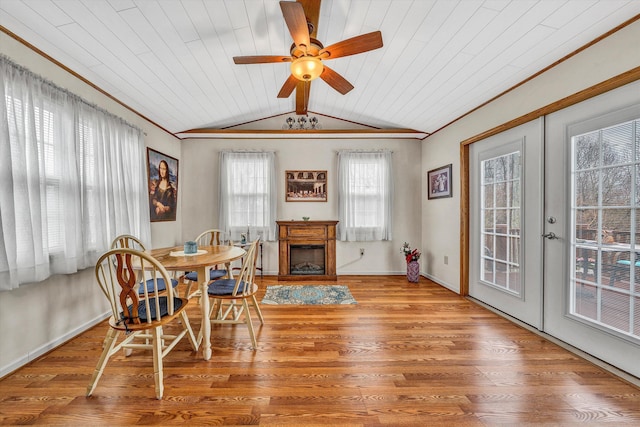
pixel 306 186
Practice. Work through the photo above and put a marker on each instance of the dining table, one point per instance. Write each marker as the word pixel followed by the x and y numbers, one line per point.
pixel 587 254
pixel 175 259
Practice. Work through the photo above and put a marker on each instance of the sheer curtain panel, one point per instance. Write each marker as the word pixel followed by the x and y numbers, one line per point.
pixel 73 178
pixel 248 194
pixel 365 186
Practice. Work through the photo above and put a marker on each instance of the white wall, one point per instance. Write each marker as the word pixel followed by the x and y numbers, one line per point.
pixel 199 194
pixel 37 317
pixel 440 218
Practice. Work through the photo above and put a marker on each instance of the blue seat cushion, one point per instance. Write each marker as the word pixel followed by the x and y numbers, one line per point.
pixel 161 286
pixel 213 275
pixel 164 310
pixel 223 287
pixel 627 262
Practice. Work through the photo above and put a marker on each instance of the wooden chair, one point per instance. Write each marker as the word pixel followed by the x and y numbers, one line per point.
pixel 233 297
pixel 128 241
pixel 132 242
pixel 211 237
pixel 141 315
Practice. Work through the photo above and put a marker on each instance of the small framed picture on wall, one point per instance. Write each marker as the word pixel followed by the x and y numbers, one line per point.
pixel 306 186
pixel 162 171
pixel 439 182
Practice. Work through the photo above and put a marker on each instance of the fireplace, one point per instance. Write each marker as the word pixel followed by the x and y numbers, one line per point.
pixel 307 250
pixel 306 259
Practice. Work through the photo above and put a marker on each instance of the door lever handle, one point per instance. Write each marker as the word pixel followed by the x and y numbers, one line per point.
pixel 551 236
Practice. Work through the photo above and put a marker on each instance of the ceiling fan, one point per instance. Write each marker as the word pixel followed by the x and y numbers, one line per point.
pixel 307 53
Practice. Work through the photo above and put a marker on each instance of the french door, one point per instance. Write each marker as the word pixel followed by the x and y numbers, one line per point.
pixel 592 270
pixel 505 239
pixel 555 225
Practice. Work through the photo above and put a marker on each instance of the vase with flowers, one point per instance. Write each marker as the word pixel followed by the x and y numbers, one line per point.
pixel 413 267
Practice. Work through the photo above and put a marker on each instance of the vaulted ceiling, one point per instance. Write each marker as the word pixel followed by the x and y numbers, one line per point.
pixel 172 60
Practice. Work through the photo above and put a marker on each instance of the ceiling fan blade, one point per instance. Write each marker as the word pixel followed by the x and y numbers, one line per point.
pixel 288 87
pixel 260 59
pixel 302 97
pixel 335 80
pixel 296 22
pixel 352 46
pixel 312 12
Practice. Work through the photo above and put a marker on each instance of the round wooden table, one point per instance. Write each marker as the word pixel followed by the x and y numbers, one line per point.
pixel 173 259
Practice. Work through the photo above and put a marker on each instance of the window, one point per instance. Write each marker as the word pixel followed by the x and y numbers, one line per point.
pixel 248 194
pixel 364 193
pixel 605 283
pixel 500 223
pixel 42 128
pixel 74 179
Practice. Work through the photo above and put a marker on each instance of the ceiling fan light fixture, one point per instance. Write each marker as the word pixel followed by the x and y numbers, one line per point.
pixel 306 68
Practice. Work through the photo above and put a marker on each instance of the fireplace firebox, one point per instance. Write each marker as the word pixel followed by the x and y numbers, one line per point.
pixel 307 250
pixel 306 259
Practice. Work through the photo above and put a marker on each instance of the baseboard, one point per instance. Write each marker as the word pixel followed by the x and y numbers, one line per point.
pixel 351 273
pixel 372 273
pixel 441 283
pixel 449 286
pixel 33 355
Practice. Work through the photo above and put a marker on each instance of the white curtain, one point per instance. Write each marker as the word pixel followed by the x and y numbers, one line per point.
pixel 248 194
pixel 365 187
pixel 73 177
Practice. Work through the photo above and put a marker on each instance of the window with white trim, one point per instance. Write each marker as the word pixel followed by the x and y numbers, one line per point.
pixel 248 194
pixel 364 195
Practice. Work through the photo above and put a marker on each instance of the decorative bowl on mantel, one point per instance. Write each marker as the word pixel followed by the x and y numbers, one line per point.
pixel 305 218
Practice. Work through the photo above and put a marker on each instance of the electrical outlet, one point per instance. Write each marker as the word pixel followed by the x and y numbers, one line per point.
pixel 361 251
pixel 446 260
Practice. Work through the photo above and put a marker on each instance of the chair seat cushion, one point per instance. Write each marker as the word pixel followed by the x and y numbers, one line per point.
pixel 627 262
pixel 164 310
pixel 224 287
pixel 213 275
pixel 161 286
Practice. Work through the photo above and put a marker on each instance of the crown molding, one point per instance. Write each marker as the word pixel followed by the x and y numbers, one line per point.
pixel 302 134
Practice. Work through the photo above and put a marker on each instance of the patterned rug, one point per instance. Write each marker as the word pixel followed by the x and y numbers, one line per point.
pixel 308 295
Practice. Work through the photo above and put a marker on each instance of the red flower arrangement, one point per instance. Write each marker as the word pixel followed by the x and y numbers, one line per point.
pixel 409 254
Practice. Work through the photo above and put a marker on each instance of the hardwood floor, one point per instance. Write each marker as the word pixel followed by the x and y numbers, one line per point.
pixel 405 355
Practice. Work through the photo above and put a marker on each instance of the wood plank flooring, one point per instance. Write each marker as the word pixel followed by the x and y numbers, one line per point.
pixel 405 355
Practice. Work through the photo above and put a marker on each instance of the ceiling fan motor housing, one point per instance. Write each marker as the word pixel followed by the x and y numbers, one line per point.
pixel 313 50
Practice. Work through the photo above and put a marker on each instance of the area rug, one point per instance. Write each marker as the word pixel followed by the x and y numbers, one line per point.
pixel 308 295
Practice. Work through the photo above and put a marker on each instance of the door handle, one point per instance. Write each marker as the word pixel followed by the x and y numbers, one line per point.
pixel 551 236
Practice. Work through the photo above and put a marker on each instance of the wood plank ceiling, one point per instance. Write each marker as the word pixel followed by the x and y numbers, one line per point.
pixel 171 60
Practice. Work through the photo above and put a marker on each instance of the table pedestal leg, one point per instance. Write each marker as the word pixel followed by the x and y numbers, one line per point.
pixel 203 275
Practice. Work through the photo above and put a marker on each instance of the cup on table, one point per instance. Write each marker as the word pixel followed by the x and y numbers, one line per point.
pixel 190 248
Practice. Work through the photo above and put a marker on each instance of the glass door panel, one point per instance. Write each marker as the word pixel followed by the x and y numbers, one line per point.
pixel 604 215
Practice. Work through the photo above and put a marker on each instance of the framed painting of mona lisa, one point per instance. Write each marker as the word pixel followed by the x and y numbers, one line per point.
pixel 162 172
